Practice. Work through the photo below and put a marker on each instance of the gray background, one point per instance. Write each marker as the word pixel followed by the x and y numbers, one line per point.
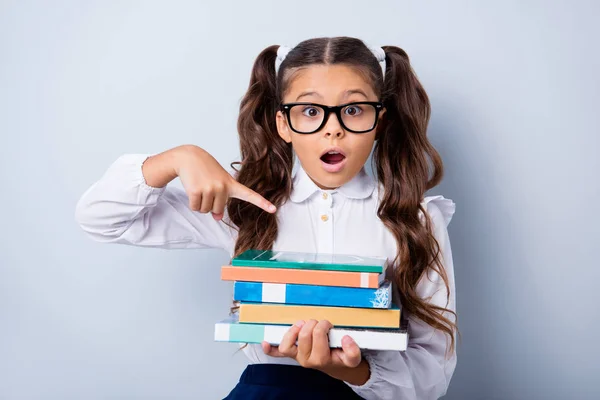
pixel 515 93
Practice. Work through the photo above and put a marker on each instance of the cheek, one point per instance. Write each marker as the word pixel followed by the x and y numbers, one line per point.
pixel 304 144
pixel 363 144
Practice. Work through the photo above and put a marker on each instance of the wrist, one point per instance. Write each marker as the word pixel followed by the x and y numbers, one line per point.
pixel 357 376
pixel 160 169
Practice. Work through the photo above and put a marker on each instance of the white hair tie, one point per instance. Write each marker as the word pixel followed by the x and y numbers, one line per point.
pixel 282 52
pixel 377 51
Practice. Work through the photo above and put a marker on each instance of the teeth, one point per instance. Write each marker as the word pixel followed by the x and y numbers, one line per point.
pixel 333 152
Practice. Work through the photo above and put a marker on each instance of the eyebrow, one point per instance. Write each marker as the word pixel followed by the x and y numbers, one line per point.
pixel 347 93
pixel 308 94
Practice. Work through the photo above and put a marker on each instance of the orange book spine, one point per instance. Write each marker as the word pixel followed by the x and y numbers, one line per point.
pixel 301 277
pixel 339 316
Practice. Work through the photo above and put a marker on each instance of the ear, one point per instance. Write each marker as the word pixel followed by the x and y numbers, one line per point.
pixel 282 127
pixel 380 124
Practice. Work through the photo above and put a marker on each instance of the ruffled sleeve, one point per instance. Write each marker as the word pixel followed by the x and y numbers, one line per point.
pixel 423 371
pixel 445 206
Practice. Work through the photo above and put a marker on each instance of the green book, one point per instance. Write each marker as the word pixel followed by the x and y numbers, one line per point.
pixel 312 261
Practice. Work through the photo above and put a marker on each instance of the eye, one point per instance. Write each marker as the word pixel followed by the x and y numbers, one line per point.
pixel 353 110
pixel 310 111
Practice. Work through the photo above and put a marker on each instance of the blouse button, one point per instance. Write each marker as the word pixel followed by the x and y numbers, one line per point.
pixel 324 218
pixel 325 196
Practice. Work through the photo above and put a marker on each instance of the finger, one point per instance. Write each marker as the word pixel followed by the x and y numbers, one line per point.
pixel 219 203
pixel 349 355
pixel 241 192
pixel 288 345
pixel 271 350
pixel 305 338
pixel 195 202
pixel 208 198
pixel 320 342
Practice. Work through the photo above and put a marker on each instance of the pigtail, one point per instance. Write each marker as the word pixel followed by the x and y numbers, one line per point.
pixel 407 166
pixel 266 160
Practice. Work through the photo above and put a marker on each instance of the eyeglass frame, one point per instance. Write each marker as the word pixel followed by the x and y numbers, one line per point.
pixel 286 107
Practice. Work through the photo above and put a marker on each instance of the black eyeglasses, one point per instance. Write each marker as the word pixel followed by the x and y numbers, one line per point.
pixel 356 117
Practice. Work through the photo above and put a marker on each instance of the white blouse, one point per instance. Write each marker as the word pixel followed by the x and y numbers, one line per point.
pixel 122 208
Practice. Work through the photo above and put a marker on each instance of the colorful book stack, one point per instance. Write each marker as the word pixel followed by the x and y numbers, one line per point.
pixel 276 288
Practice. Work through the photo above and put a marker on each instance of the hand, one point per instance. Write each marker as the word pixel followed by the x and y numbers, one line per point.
pixel 207 184
pixel 312 350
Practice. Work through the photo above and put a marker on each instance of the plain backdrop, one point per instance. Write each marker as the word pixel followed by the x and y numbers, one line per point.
pixel 514 89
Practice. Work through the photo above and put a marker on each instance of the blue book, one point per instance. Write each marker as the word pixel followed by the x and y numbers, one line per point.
pixel 287 293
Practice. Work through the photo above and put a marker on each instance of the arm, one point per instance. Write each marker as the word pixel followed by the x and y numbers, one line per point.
pixel 421 372
pixel 131 204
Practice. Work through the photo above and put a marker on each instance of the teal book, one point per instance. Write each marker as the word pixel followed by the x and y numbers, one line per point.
pixel 231 330
pixel 310 261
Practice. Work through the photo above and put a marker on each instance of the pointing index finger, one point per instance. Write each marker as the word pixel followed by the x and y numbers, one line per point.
pixel 244 193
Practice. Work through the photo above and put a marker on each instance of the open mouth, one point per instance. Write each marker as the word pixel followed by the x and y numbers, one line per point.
pixel 333 157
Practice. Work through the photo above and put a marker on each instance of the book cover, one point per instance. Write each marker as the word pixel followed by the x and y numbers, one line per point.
pixel 230 330
pixel 302 277
pixel 265 313
pixel 310 261
pixel 258 292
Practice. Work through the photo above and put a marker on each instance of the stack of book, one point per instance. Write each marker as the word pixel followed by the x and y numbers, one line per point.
pixel 276 288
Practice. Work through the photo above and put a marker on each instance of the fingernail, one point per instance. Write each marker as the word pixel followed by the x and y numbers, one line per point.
pixel 299 324
pixel 272 208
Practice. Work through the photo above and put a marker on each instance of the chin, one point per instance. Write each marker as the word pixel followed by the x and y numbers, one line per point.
pixel 326 180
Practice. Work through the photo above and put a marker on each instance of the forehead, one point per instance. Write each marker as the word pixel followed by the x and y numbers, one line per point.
pixel 329 82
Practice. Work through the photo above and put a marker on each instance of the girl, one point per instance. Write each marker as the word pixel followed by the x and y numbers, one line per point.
pixel 327 103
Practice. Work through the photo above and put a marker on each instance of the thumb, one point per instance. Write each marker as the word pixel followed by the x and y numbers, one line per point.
pixel 349 355
pixel 244 193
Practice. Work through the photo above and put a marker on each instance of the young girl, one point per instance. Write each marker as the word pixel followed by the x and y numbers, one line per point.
pixel 327 103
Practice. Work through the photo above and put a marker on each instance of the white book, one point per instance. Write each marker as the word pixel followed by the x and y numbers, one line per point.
pixel 230 330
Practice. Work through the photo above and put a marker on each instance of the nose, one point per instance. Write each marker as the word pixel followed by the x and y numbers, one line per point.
pixel 333 127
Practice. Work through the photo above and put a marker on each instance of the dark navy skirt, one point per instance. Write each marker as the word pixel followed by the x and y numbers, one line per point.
pixel 289 382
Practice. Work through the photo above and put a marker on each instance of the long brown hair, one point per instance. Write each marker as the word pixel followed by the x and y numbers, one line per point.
pixel 405 161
